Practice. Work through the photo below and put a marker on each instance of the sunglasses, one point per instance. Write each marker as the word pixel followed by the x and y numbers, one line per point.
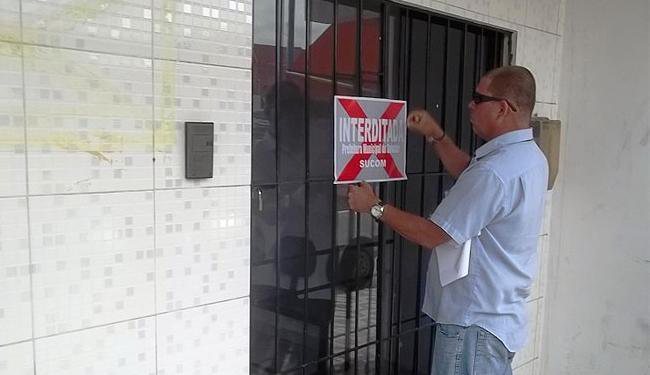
pixel 478 98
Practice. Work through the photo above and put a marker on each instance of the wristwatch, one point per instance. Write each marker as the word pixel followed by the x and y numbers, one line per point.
pixel 377 210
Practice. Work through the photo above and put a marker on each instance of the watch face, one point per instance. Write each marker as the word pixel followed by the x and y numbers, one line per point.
pixel 375 211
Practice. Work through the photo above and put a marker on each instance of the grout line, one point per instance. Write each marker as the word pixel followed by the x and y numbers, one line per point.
pixel 16 343
pixel 130 191
pixel 153 183
pixel 126 320
pixel 526 363
pixel 118 54
pixel 14 196
pixel 27 205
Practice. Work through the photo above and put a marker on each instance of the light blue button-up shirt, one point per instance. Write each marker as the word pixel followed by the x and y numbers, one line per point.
pixel 498 202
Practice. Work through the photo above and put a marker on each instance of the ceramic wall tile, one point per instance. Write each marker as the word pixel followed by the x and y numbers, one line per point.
pixel 93 259
pixel 543 14
pixel 10 20
pixel 477 6
pixel 188 339
pixel 545 110
pixel 89 121
pixel 534 289
pixel 202 93
pixel 17 359
pixel 127 348
pixel 546 219
pixel 203 249
pixel 511 10
pixel 434 5
pixel 526 369
pixel 214 32
pixel 118 27
pixel 536 51
pixel 543 264
pixel 537 367
pixel 15 297
pixel 539 335
pixel 562 17
pixel 528 353
pixel 12 126
pixel 557 72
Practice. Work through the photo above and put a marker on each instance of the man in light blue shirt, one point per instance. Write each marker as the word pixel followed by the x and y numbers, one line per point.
pixel 497 203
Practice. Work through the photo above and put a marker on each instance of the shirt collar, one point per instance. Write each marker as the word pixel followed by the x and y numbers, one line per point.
pixel 503 140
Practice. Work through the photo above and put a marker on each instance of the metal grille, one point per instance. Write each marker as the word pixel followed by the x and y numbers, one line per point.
pixel 331 291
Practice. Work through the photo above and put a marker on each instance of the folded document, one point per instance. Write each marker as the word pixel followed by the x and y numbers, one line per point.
pixel 453 260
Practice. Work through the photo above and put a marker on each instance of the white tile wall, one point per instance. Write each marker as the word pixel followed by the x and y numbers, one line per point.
pixel 539 338
pixel 17 359
pixel 93 258
pixel 127 348
pixel 543 265
pixel 79 80
pixel 10 20
pixel 15 297
pixel 478 6
pixel 212 32
pixel 546 110
pixel 89 122
pixel 510 10
pixel 526 369
pixel 12 129
pixel 205 340
pixel 203 253
pixel 118 27
pixel 529 353
pixel 536 51
pixel 543 15
pixel 193 92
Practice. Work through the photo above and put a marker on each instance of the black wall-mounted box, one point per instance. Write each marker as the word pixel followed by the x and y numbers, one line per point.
pixel 199 149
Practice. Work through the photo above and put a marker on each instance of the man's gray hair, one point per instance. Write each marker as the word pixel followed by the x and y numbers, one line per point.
pixel 514 83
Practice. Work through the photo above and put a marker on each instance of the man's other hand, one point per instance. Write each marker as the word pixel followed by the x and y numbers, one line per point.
pixel 421 122
pixel 361 197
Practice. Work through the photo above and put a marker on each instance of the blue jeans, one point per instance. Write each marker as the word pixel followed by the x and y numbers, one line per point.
pixel 469 351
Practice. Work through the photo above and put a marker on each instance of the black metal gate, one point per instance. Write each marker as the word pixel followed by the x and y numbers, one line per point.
pixel 332 292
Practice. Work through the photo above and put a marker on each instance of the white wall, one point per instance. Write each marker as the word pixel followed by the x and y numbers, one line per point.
pixel 134 270
pixel 599 308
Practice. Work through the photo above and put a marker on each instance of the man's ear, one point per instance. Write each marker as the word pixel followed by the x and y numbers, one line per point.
pixel 503 109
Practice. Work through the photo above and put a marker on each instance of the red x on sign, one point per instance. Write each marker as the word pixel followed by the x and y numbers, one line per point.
pixel 372 134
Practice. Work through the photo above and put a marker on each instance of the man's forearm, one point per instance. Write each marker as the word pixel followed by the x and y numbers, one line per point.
pixel 414 228
pixel 453 158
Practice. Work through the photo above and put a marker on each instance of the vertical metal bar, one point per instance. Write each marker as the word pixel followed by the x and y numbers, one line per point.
pixel 405 87
pixel 397 49
pixel 278 48
pixel 461 81
pixel 478 73
pixel 382 191
pixel 358 47
pixel 443 116
pixel 426 82
pixel 333 234
pixel 307 185
pixel 358 217
pixel 418 297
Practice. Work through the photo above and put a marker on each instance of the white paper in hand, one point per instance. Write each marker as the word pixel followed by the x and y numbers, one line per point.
pixel 453 261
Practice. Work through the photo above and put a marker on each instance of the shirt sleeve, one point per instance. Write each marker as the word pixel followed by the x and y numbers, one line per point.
pixel 473 202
